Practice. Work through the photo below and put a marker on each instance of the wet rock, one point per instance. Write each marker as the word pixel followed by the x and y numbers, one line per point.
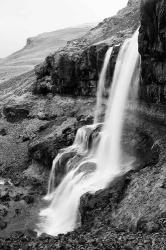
pixel 92 206
pixel 153 51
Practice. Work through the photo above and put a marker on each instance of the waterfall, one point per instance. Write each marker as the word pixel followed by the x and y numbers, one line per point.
pixel 80 146
pixel 100 163
pixel 101 84
pixel 109 150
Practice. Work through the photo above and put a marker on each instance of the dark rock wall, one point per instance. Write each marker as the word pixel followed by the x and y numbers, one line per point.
pixel 152 47
pixel 74 75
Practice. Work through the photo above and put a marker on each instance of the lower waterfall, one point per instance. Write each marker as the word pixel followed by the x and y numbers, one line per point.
pixel 103 157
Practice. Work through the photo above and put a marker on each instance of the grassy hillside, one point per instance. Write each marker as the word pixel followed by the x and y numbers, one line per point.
pixel 36 49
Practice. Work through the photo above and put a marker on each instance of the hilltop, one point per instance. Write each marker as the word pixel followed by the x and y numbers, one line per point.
pixel 37 48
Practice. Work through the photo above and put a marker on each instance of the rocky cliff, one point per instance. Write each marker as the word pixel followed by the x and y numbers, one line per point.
pixel 75 68
pixel 152 47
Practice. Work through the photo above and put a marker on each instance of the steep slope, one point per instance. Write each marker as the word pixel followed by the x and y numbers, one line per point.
pixel 37 48
pixel 117 26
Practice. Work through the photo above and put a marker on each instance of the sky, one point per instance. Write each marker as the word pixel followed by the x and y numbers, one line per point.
pixel 20 19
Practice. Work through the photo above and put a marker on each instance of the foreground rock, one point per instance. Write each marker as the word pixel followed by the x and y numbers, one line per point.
pixel 98 239
pixel 16 112
pixel 129 214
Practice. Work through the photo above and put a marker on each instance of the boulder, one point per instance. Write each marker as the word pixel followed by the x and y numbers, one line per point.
pixel 3 131
pixel 16 112
pixel 97 207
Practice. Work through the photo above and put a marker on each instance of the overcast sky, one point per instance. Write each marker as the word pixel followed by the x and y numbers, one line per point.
pixel 20 19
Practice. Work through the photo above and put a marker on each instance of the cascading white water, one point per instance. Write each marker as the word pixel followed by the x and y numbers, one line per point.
pixel 51 182
pixel 109 151
pixel 101 84
pixel 80 146
pixel 62 214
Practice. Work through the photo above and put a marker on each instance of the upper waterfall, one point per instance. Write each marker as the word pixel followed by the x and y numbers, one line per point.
pixel 109 151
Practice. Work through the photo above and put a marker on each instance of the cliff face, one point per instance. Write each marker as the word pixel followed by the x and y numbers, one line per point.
pixel 75 68
pixel 152 47
pixel 75 72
